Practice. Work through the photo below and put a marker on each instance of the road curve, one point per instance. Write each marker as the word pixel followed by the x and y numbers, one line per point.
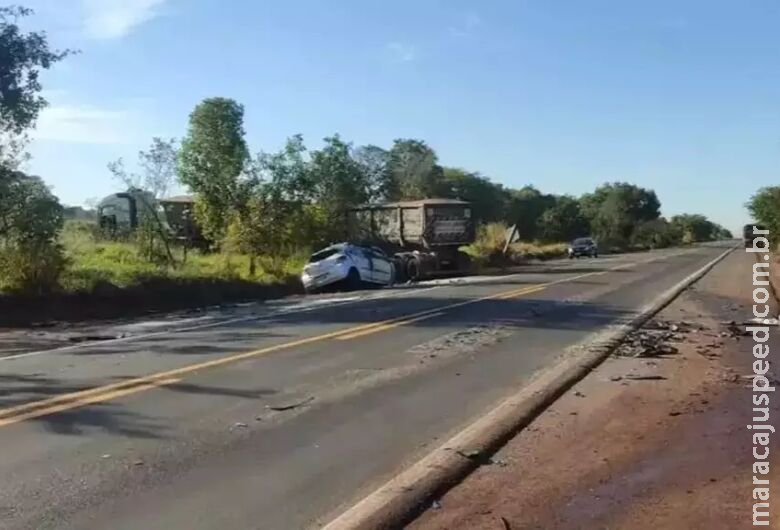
pixel 281 419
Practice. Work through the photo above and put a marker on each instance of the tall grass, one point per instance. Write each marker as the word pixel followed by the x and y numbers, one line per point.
pixel 488 248
pixel 95 263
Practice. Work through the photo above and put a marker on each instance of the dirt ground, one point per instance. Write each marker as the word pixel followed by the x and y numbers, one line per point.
pixel 668 450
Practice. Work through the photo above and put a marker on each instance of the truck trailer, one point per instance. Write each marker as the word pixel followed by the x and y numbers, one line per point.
pixel 424 236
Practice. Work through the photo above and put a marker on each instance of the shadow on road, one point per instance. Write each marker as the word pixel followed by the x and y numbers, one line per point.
pixel 111 417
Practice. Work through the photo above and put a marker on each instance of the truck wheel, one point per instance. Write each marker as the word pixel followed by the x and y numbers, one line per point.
pixel 353 281
pixel 414 270
pixel 464 263
pixel 399 264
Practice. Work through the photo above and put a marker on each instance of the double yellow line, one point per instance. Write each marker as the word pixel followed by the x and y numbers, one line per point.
pixel 72 400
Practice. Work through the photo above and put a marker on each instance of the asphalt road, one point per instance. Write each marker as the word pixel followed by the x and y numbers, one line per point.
pixel 282 415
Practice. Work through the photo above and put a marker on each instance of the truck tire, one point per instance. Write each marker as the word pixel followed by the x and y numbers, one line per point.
pixel 399 264
pixel 463 263
pixel 413 270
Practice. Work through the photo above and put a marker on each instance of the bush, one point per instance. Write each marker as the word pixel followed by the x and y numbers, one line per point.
pixel 520 252
pixel 658 233
pixel 488 248
pixel 101 265
pixel 31 260
pixel 31 268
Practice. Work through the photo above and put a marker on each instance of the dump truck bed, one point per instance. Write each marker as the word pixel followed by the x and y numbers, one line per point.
pixel 425 223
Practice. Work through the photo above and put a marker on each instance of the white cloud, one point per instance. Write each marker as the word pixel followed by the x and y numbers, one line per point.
pixel 400 52
pixel 111 19
pixel 83 124
pixel 467 26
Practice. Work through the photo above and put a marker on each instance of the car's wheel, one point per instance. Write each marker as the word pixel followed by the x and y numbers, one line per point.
pixel 353 280
pixel 413 269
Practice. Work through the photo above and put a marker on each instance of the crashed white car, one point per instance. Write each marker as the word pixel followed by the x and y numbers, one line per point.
pixel 347 265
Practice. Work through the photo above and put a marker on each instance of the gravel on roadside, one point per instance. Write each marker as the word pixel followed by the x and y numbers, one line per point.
pixel 653 438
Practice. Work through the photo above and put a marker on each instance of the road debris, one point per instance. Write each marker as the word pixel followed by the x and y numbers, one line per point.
pixel 94 338
pixel 290 406
pixel 651 377
pixel 652 340
pixel 462 341
pixel 579 394
pixel 471 455
pixel 436 505
pixel 734 330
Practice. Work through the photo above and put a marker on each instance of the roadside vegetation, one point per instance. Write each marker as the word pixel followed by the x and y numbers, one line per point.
pixel 262 213
pixel 765 207
pixel 95 264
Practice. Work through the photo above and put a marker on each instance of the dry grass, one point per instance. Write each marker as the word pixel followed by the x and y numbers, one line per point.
pixel 488 248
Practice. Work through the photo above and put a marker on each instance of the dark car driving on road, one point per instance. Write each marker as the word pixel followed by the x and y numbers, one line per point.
pixel 583 246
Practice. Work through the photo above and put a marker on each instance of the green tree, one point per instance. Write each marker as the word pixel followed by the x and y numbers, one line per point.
pixel 563 221
pixel 374 163
pixel 31 260
pixel 488 200
pixel 614 210
pixel 764 205
pixel 413 171
pixel 337 182
pixel 30 215
pixel 656 233
pixel 525 208
pixel 22 58
pixel 721 232
pixel 280 214
pixel 694 228
pixel 158 168
pixel 212 162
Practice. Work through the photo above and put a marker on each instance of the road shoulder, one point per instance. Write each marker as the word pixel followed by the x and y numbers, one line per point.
pixel 642 442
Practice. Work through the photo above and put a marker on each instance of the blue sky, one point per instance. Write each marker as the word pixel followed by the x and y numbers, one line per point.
pixel 679 96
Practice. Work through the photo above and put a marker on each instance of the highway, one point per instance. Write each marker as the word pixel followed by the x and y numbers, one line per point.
pixel 280 419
